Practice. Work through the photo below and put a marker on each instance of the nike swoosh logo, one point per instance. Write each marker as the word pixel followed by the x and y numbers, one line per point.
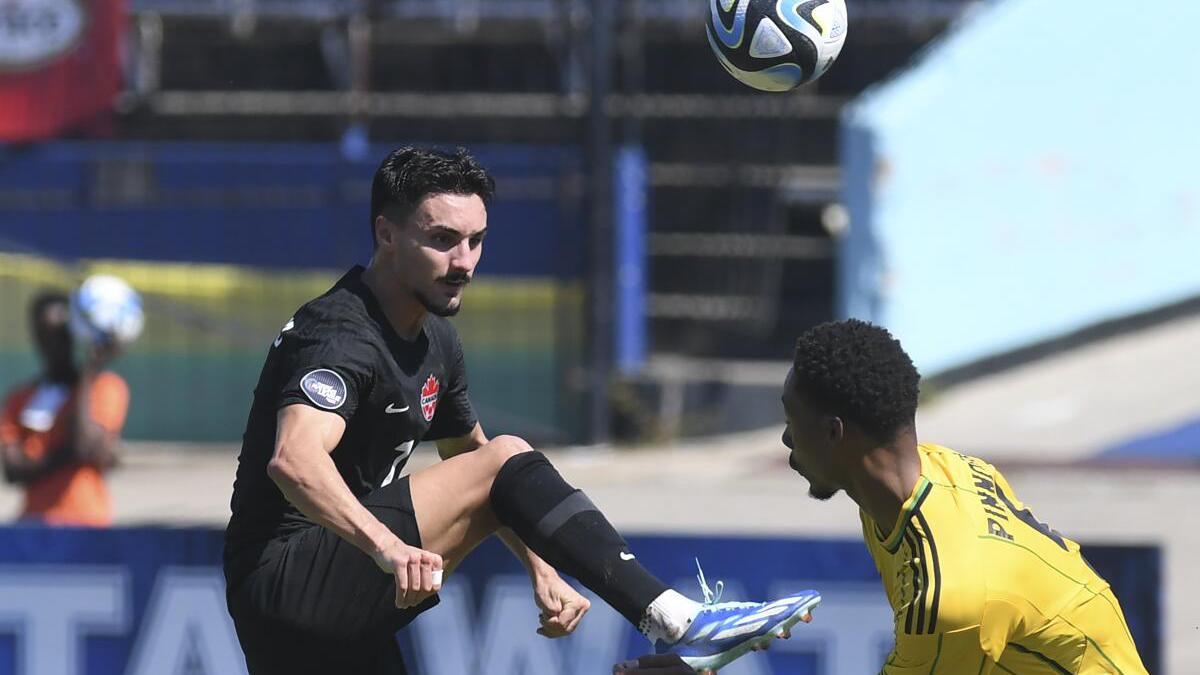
pixel 626 556
pixel 393 409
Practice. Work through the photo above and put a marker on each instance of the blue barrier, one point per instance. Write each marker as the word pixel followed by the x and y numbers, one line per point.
pixel 631 183
pixel 300 205
pixel 151 602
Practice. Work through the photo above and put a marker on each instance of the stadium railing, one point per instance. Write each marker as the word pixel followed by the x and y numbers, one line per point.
pixel 533 10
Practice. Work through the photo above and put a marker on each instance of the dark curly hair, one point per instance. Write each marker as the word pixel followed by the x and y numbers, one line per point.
pixel 859 372
pixel 408 175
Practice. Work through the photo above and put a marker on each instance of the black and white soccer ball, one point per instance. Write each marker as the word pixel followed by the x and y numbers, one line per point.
pixel 777 45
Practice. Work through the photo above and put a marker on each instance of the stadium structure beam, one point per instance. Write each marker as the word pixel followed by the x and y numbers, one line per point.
pixel 485 105
pixel 601 230
pixel 472 15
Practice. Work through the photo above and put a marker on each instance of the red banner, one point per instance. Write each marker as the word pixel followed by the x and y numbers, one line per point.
pixel 59 64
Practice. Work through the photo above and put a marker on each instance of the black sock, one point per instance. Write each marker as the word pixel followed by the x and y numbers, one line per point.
pixel 562 526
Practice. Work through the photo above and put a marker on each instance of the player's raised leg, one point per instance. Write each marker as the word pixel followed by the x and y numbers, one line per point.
pixel 461 500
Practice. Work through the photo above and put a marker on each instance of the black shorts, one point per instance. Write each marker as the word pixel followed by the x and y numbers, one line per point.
pixel 316 604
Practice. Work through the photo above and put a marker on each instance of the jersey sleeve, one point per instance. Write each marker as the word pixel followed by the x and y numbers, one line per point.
pixel 109 402
pixel 330 370
pixel 455 415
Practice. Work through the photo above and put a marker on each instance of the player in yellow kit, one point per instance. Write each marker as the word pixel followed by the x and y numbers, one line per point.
pixel 976 583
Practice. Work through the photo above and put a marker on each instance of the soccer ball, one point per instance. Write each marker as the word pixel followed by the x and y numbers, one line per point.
pixel 777 45
pixel 106 309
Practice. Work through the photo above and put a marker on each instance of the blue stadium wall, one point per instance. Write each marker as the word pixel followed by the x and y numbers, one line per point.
pixel 1029 175
pixel 151 602
pixel 225 241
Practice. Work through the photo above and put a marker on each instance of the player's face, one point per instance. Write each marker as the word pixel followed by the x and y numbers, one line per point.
pixel 436 251
pixel 812 437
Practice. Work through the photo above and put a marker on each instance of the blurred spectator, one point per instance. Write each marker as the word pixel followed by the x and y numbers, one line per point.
pixel 59 433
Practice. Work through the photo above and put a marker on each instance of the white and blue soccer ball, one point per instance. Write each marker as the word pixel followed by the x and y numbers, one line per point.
pixel 777 45
pixel 106 309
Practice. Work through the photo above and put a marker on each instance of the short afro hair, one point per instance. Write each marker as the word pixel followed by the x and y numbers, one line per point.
pixel 859 372
pixel 408 175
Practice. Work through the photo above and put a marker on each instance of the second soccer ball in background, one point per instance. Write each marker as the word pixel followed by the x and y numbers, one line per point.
pixel 105 308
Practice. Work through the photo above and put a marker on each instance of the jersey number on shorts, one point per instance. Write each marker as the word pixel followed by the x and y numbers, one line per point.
pixel 402 452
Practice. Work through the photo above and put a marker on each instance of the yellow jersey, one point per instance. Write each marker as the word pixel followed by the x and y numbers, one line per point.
pixel 977 585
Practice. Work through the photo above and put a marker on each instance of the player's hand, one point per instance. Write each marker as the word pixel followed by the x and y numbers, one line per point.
pixel 418 572
pixel 562 607
pixel 658 664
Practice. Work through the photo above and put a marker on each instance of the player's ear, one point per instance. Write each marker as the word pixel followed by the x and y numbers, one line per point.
pixel 836 429
pixel 385 231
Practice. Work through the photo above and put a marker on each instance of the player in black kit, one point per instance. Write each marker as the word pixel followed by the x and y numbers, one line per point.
pixel 329 550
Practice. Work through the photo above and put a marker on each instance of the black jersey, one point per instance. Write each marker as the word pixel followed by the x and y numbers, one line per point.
pixel 340 354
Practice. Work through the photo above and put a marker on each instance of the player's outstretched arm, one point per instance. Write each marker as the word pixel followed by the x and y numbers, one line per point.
pixel 305 473
pixel 100 409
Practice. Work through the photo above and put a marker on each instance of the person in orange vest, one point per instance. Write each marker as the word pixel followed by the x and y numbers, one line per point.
pixel 60 432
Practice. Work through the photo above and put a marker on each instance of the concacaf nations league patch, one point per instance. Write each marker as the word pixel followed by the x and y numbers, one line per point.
pixel 325 388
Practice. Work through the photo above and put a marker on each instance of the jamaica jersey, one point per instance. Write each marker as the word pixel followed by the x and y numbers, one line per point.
pixel 978 585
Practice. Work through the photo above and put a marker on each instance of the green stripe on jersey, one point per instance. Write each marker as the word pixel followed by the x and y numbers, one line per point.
pixel 892 544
